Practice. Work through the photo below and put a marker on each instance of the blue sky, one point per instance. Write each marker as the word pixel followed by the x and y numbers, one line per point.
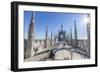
pixel 54 21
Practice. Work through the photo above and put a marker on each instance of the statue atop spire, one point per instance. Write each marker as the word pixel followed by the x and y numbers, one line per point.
pixel 51 40
pixel 61 27
pixel 75 33
pixel 46 37
pixel 70 36
pixel 32 18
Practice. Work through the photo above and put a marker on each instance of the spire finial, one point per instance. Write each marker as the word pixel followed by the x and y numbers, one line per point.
pixel 61 27
pixel 33 16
